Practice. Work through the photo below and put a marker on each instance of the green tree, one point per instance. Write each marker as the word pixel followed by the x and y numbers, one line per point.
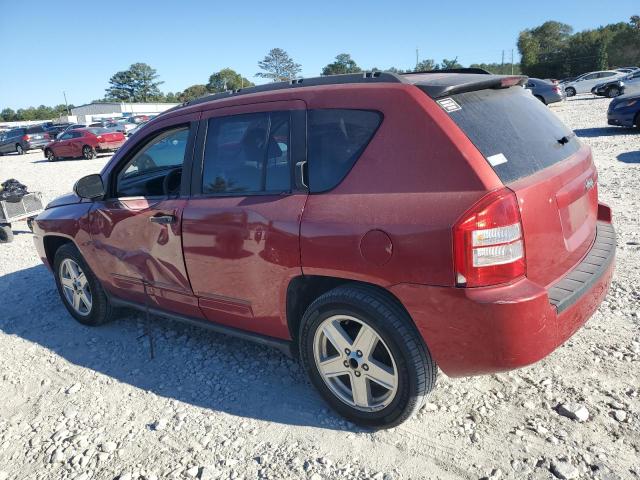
pixel 8 115
pixel 194 91
pixel 425 65
pixel 447 64
pixel 543 49
pixel 498 68
pixel 227 79
pixel 137 84
pixel 342 64
pixel 278 66
pixel 171 97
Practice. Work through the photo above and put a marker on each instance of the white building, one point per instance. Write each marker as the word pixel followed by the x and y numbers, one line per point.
pixel 92 112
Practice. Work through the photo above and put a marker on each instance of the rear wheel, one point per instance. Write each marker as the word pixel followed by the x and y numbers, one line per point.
pixel 636 121
pixel 80 290
pixel 570 91
pixel 50 155
pixel 6 234
pixel 365 356
pixel 88 153
pixel 19 149
pixel 613 92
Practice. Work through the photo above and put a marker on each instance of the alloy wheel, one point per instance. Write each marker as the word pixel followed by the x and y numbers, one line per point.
pixel 355 363
pixel 19 150
pixel 75 287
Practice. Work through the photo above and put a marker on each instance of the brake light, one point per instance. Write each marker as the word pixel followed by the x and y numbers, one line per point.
pixel 99 137
pixel 26 138
pixel 488 243
pixel 556 89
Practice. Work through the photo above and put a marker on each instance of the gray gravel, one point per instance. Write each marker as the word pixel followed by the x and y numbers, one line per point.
pixel 81 403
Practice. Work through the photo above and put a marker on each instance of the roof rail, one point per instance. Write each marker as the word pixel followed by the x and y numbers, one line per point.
pixel 364 77
pixel 453 70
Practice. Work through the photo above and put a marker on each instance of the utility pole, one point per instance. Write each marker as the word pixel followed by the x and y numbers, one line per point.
pixel 512 61
pixel 417 58
pixel 502 64
pixel 65 102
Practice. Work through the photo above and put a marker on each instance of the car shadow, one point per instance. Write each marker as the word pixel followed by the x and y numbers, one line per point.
pixel 603 131
pixel 629 157
pixel 191 365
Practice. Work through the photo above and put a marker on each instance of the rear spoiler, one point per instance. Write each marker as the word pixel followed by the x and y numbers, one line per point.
pixel 470 83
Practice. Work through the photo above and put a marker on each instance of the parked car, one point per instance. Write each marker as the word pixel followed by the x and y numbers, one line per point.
pixel 83 142
pixel 375 224
pixel 617 87
pixel 122 126
pixel 624 111
pixel 23 139
pixel 584 83
pixel 546 92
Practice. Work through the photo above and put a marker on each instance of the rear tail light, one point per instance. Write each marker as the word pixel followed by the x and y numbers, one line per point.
pixel 488 243
pixel 556 89
pixel 99 137
pixel 26 138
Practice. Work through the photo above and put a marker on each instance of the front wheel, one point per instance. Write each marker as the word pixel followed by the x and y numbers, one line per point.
pixel 80 290
pixel 88 153
pixel 19 149
pixel 50 155
pixel 365 356
pixel 570 91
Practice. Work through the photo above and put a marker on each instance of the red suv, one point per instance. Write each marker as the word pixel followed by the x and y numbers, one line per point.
pixel 374 224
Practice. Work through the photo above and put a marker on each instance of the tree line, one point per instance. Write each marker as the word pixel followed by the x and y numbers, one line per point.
pixel 553 50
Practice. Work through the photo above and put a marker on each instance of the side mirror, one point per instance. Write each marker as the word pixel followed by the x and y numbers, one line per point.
pixel 90 187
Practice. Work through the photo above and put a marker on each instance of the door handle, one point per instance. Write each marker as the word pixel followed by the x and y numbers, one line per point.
pixel 162 219
pixel 300 167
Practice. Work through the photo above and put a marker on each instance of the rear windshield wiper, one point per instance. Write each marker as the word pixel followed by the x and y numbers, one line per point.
pixel 564 140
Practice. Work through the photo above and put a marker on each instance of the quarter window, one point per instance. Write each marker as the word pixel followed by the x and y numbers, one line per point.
pixel 336 139
pixel 247 154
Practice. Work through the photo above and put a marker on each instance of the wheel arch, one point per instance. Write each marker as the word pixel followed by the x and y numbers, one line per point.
pixel 304 289
pixel 51 245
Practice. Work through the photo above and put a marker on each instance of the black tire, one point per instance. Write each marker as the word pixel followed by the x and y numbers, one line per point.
pixel 88 152
pixel 416 370
pixel 101 310
pixel 570 91
pixel 6 234
pixel 541 99
pixel 613 92
pixel 636 121
pixel 50 155
pixel 19 149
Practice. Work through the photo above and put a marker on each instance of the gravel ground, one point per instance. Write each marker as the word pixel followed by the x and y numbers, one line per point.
pixel 83 403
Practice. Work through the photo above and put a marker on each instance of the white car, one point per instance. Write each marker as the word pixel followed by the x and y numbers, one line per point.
pixel 585 82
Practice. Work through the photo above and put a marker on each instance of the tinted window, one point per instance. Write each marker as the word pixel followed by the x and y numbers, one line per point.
pixel 98 130
pixel 590 76
pixel 607 74
pixel 247 154
pixel 515 132
pixel 144 174
pixel 66 136
pixel 335 140
pixel 36 129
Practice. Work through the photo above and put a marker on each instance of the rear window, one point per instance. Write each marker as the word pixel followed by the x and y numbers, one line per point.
pixel 36 129
pixel 335 140
pixel 516 133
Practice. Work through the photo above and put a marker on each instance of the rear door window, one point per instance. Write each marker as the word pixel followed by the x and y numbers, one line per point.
pixel 247 154
pixel 335 140
pixel 515 132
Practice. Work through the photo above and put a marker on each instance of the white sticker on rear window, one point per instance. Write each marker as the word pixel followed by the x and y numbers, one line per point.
pixel 497 159
pixel 449 104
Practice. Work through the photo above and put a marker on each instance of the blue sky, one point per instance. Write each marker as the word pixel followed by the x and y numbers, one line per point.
pixel 76 46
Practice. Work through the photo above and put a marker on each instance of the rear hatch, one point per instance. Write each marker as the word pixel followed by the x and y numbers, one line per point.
pixel 111 137
pixel 542 161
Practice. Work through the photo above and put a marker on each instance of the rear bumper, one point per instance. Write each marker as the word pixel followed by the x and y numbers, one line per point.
pixel 109 147
pixel 472 331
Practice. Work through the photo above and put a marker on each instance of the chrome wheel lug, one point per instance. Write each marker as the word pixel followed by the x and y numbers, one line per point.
pixel 356 373
pixel 346 364
pixel 365 367
pixel 347 351
pixel 359 353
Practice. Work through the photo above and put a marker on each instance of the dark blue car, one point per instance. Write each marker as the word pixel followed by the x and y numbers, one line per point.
pixel 624 110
